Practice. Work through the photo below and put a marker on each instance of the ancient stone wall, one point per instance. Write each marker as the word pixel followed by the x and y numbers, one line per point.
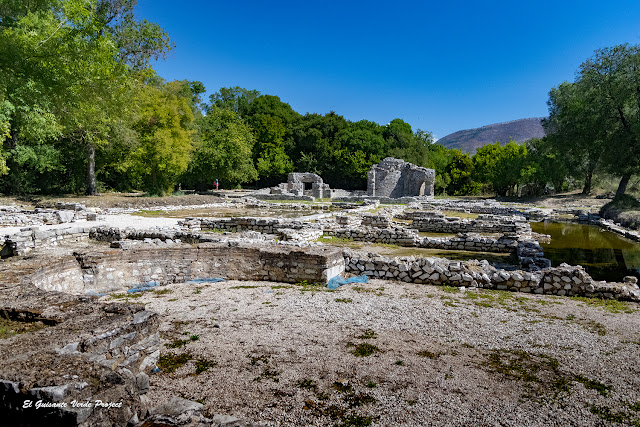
pixel 563 280
pixel 25 241
pixel 435 222
pixel 408 237
pixel 118 270
pixel 396 178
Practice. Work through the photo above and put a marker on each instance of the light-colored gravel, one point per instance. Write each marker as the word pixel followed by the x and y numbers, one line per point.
pixel 486 358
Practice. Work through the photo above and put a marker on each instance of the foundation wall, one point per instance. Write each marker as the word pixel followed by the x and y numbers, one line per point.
pixel 118 270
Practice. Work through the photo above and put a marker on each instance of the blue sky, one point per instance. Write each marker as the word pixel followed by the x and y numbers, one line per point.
pixel 440 66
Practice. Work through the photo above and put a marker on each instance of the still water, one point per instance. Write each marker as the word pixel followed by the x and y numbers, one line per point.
pixel 604 255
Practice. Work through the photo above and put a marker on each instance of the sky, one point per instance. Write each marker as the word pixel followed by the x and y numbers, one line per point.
pixel 440 66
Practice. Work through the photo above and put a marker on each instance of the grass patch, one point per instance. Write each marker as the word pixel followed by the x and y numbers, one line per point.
pixel 203 365
pixel 450 289
pixel 263 358
pixel 170 362
pixel 602 389
pixel 244 287
pixel 339 241
pixel 610 305
pixel 150 213
pixel 126 296
pixel 163 292
pixel 363 349
pixel 429 354
pixel 467 215
pixel 356 421
pixel 177 343
pixel 608 415
pixel 9 328
pixel 345 300
pixel 305 286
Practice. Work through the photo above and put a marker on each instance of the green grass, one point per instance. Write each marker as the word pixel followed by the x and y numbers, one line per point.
pixel 334 240
pixel 10 328
pixel 305 286
pixel 345 300
pixel 150 213
pixel 203 365
pixel 363 349
pixel 610 305
pixel 429 354
pixel 170 362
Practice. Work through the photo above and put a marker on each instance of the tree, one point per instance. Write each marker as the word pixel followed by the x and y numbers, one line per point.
pixel 224 152
pixel 460 171
pixel 67 65
pixel 271 121
pixel 578 129
pixel 596 119
pixel 613 75
pixel 402 143
pixel 165 139
pixel 235 99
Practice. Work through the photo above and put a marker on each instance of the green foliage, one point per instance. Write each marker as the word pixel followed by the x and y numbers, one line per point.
pixel 164 127
pixel 224 152
pixel 460 171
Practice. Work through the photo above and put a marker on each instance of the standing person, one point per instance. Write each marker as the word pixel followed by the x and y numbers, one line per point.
pixel 216 184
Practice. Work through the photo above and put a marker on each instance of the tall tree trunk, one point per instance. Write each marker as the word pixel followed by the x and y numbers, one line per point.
pixel 587 183
pixel 622 187
pixel 92 189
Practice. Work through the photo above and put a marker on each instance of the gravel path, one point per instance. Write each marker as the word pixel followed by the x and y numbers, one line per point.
pixel 281 354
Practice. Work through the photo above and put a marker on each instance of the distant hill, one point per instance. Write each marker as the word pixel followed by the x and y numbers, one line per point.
pixel 470 140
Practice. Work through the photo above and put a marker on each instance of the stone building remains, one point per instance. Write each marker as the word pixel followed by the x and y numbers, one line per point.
pixel 396 178
pixel 303 184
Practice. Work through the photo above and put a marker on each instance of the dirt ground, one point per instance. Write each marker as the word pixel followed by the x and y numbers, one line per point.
pixel 391 353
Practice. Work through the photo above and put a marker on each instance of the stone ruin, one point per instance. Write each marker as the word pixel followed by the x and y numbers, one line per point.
pixel 396 178
pixel 304 184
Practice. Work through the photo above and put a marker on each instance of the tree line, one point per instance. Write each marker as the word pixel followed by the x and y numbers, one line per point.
pixel 81 110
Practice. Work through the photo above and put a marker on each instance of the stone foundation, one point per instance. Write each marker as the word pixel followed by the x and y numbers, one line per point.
pixel 118 270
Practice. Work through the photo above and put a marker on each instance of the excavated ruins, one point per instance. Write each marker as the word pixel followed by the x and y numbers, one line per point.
pixel 91 354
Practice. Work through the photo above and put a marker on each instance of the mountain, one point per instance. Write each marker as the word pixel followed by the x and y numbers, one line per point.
pixel 470 140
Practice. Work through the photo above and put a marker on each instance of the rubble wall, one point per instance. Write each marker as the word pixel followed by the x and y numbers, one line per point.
pixel 564 280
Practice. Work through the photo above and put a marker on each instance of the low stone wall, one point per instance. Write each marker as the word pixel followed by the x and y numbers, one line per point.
pixel 25 241
pixel 435 222
pixel 282 197
pixel 118 270
pixel 408 237
pixel 563 280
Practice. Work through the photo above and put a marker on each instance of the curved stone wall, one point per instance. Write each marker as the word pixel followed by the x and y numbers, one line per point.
pixel 117 270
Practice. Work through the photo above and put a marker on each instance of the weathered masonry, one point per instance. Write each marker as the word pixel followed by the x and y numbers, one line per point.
pixel 396 178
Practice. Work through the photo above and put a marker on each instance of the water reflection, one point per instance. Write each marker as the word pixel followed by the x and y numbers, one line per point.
pixel 605 255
